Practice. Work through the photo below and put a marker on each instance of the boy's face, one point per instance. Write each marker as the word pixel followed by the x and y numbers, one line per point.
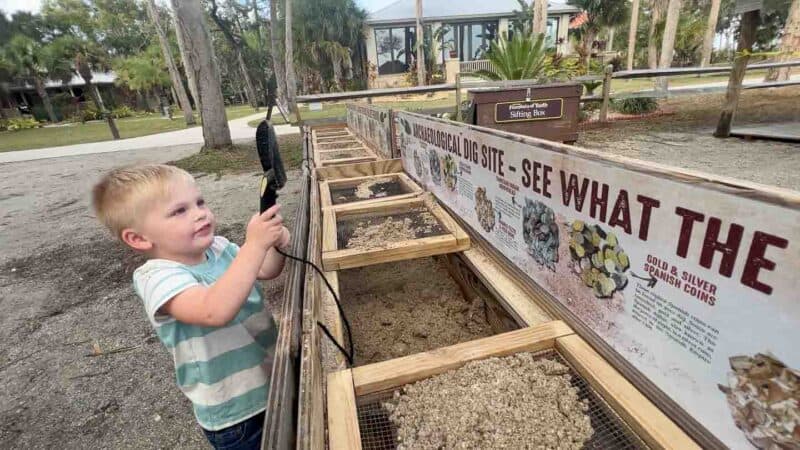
pixel 180 226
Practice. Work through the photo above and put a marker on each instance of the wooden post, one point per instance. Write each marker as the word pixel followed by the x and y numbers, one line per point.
pixel 458 97
pixel 747 35
pixel 606 92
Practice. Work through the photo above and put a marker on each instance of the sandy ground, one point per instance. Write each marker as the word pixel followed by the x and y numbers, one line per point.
pixel 683 137
pixel 65 290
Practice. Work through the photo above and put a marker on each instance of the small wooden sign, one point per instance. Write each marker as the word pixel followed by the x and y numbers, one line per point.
pixel 529 110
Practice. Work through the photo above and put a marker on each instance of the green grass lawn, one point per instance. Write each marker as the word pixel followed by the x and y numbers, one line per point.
pixel 98 131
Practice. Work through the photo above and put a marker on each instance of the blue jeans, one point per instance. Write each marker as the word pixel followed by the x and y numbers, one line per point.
pixel 242 436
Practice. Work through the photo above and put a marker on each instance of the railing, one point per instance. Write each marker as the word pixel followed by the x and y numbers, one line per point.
pixel 474 66
pixel 606 78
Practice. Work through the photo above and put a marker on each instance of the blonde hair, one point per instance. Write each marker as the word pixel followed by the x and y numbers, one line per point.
pixel 123 195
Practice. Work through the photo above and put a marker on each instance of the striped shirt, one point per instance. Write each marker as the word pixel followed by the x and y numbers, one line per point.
pixel 223 370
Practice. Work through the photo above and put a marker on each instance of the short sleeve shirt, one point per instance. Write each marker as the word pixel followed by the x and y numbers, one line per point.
pixel 223 370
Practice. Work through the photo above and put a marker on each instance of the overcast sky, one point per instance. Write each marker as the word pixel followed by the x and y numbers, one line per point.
pixel 10 6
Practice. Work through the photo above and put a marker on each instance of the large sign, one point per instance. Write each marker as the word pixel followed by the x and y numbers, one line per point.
pixel 372 125
pixel 695 282
pixel 529 110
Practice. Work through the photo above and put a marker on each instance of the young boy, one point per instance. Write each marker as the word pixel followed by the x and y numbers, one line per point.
pixel 199 293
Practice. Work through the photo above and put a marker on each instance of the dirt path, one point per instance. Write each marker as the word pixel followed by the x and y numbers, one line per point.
pixel 65 290
pixel 683 137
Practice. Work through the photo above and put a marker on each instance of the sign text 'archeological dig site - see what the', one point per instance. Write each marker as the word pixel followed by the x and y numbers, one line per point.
pixel 691 278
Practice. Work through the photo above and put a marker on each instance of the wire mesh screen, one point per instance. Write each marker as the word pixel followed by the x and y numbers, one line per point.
pixel 342 154
pixel 334 145
pixel 610 431
pixel 417 223
pixel 376 188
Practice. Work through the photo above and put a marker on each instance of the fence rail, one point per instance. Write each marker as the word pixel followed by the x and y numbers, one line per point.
pixel 606 78
pixel 474 66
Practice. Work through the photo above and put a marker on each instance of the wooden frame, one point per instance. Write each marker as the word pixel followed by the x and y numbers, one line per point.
pixel 455 239
pixel 378 167
pixel 369 155
pixel 326 197
pixel 640 414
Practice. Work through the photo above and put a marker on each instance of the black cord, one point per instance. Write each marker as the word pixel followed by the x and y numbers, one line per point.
pixel 347 355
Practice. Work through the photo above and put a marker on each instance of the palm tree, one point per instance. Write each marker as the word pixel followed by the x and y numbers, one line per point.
pixel 524 57
pixel 291 75
pixel 278 66
pixel 599 14
pixel 35 63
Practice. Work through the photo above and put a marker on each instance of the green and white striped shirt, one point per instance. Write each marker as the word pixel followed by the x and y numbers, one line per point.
pixel 225 370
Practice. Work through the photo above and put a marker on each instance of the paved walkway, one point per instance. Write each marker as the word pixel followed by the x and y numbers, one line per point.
pixel 239 131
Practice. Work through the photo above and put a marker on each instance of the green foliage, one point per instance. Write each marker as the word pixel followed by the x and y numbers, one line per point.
pixel 635 105
pixel 590 86
pixel 143 71
pixel 20 123
pixel 122 111
pixel 524 58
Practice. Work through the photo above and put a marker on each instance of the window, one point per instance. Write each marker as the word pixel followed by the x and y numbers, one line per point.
pixel 395 49
pixel 469 41
pixel 551 33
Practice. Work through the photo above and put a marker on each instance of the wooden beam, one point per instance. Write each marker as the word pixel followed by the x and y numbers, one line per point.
pixel 520 303
pixel 655 428
pixel 393 251
pixel 360 169
pixel 343 430
pixel 408 369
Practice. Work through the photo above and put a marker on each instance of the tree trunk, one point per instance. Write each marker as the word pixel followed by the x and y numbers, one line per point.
pixel 747 35
pixel 98 101
pixel 291 77
pixel 48 106
pixel 632 33
pixel 250 90
pixel 420 38
pixel 539 16
pixel 175 76
pixel 790 43
pixel 656 13
pixel 588 40
pixel 610 37
pixel 190 20
pixel 711 31
pixel 275 45
pixel 668 42
pixel 187 68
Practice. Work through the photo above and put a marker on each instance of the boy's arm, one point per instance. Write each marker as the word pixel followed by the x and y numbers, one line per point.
pixel 217 305
pixel 274 261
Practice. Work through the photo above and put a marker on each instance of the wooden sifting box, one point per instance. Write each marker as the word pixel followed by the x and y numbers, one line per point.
pixel 368 189
pixel 422 228
pixel 621 416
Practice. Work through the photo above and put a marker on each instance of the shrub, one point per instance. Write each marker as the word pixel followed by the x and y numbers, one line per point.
pixel 90 112
pixel 21 123
pixel 642 105
pixel 122 112
pixel 590 86
pixel 3 125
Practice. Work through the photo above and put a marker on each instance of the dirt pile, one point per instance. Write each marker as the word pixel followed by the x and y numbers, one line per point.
pixel 407 307
pixel 519 401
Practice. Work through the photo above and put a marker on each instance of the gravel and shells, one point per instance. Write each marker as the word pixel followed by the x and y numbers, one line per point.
pixel 540 231
pixel 597 258
pixel 484 209
pixel 764 398
pixel 518 401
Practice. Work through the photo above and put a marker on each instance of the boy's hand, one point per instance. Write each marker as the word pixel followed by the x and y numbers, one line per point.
pixel 265 230
pixel 286 239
